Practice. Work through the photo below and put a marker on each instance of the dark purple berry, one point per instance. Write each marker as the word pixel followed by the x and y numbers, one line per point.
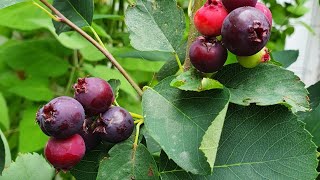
pixel 245 31
pixel 115 125
pixel 61 117
pixel 230 5
pixel 64 154
pixel 94 94
pixel 207 54
pixel 91 139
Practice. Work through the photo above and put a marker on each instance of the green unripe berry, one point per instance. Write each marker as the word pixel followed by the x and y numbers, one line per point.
pixel 254 60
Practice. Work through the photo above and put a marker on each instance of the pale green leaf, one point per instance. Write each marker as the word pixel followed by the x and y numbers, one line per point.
pixel 4 114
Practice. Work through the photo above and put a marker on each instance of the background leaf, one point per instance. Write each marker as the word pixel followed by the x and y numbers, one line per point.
pixel 6 3
pixel 125 163
pixel 30 129
pixel 79 12
pixel 155 25
pixel 4 114
pixel 264 85
pixel 286 57
pixel 177 120
pixel 28 166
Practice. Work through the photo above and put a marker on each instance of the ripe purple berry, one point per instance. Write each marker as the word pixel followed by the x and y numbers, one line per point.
pixel 245 31
pixel 94 94
pixel 115 125
pixel 61 117
pixel 230 5
pixel 64 154
pixel 266 11
pixel 207 54
pixel 91 139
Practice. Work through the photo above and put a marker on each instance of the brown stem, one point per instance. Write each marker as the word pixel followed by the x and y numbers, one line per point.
pixel 65 20
pixel 193 33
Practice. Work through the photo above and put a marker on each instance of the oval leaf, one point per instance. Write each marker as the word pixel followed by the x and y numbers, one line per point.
pixel 28 166
pixel 177 120
pixel 89 165
pixel 286 58
pixel 155 25
pixel 126 163
pixel 264 85
pixel 192 80
pixel 6 3
pixel 79 12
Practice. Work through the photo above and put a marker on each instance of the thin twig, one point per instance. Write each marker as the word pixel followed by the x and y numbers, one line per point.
pixel 65 20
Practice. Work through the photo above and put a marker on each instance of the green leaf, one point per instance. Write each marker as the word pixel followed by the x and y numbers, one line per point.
pixel 264 142
pixel 147 55
pixel 88 167
pixel 155 25
pixel 210 140
pixel 34 89
pixel 259 143
pixel 5 155
pixel 314 96
pixel 264 85
pixel 24 16
pixel 312 120
pixel 192 80
pixel 78 12
pixel 107 74
pixel 140 65
pixel 286 57
pixel 29 128
pixel 28 166
pixel 177 120
pixel 28 56
pixel 126 163
pixel 4 115
pixel 6 3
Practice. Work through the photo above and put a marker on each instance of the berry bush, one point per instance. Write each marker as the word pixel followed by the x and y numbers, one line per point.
pixel 162 89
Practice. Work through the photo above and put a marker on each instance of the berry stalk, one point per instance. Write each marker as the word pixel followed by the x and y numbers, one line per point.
pixel 108 55
pixel 193 33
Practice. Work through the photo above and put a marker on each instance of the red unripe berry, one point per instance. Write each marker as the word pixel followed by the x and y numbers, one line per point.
pixel 64 154
pixel 209 18
pixel 266 11
pixel 207 54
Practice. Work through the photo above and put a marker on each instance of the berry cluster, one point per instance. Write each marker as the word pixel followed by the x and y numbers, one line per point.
pixel 244 26
pixel 78 124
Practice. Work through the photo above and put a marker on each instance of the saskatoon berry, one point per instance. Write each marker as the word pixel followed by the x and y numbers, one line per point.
pixel 245 31
pixel 115 125
pixel 266 11
pixel 91 139
pixel 207 54
pixel 63 154
pixel 254 60
pixel 234 4
pixel 209 18
pixel 61 117
pixel 94 94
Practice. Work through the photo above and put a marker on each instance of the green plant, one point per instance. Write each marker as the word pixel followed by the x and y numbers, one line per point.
pixel 236 123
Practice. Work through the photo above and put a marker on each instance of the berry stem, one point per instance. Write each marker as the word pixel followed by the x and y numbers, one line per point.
pixel 136 116
pixel 108 55
pixel 178 61
pixel 46 11
pixel 97 37
pixel 193 33
pixel 136 139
